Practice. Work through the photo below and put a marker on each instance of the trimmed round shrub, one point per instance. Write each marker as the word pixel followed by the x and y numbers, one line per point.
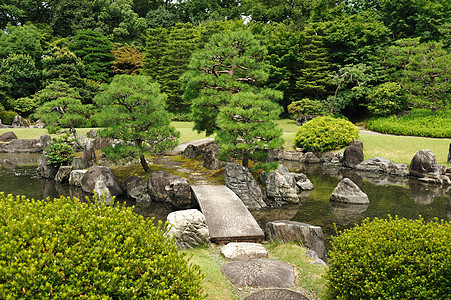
pixel 59 153
pixel 307 106
pixel 391 259
pixel 65 249
pixel 386 99
pixel 7 116
pixel 325 134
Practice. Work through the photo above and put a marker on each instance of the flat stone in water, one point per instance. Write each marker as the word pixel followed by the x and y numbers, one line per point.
pixel 278 294
pixel 260 273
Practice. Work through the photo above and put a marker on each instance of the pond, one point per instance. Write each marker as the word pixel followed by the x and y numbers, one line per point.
pixel 388 195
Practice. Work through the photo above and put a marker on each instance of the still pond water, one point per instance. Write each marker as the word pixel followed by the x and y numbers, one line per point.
pixel 388 195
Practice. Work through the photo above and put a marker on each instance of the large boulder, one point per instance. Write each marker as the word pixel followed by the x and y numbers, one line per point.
pixel 260 273
pixel 189 227
pixel 44 141
pixel 243 251
pixel 166 187
pixel 280 189
pixel 78 163
pixel 89 154
pixel 210 156
pixel 348 192
pixel 8 136
pixel 19 122
pixel 63 174
pixel 100 142
pixel 240 181
pixel 195 149
pixel 135 188
pixel 288 231
pixel 302 182
pixel 76 176
pixel 383 165
pixel 21 146
pixel 290 155
pixel 422 163
pixel 180 148
pixel 103 175
pixel 309 158
pixel 46 170
pixel 352 156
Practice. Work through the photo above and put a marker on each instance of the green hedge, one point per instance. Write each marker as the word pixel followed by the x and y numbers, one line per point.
pixel 391 259
pixel 419 122
pixel 64 249
pixel 7 117
pixel 325 134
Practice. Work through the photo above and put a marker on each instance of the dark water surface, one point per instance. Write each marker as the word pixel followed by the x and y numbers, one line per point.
pixel 388 195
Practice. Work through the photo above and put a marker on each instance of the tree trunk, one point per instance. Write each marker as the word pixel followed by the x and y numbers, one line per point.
pixel 144 164
pixel 245 161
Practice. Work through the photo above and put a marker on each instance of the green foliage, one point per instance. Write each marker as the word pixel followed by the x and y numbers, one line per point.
pixel 24 106
pixel 7 116
pixel 66 249
pixel 64 112
pixel 59 153
pixel 133 110
pixel 127 60
pixel 391 259
pixel 20 75
pixel 94 49
pixel 325 133
pixel 386 99
pixel 60 64
pixel 228 63
pixel 307 106
pixel 247 128
pixel 168 52
pixel 24 40
pixel 419 122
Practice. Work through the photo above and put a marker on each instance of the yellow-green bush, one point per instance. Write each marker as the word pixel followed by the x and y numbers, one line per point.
pixel 391 259
pixel 7 116
pixel 325 134
pixel 65 249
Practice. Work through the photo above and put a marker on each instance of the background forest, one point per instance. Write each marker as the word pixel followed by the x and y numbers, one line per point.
pixel 348 57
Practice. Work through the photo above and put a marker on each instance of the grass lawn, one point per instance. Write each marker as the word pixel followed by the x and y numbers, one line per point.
pixel 400 149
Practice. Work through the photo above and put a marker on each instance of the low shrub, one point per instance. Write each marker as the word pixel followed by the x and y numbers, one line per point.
pixel 419 122
pixel 391 259
pixel 65 249
pixel 7 117
pixel 325 134
pixel 307 106
pixel 59 153
pixel 386 99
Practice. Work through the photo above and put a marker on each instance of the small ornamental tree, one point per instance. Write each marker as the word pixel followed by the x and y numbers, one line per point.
pixel 133 110
pixel 247 129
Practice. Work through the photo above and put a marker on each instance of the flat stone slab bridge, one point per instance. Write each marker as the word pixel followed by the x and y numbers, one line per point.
pixel 227 217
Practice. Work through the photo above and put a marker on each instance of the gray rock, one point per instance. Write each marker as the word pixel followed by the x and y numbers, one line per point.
pixel 19 122
pixel 89 154
pixel 241 182
pixel 78 163
pixel 352 156
pixel 303 183
pixel 260 273
pixel 46 170
pixel 276 294
pixel 309 158
pixel 100 142
pixel 243 251
pixel 302 119
pixel 318 261
pixel 8 136
pixel 92 134
pixel 278 189
pixel 102 191
pixel 380 164
pixel 288 231
pixel 356 143
pixel 44 140
pixel 76 176
pixel 21 146
pixel 166 187
pixel 63 174
pixel 291 155
pixel 181 147
pixel 348 192
pixel 100 174
pixel 210 157
pixel 79 142
pixel 189 227
pixel 423 162
pixel 136 188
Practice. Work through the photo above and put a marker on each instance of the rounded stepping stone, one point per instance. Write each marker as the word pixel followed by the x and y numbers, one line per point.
pixel 279 294
pixel 260 273
pixel 243 251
